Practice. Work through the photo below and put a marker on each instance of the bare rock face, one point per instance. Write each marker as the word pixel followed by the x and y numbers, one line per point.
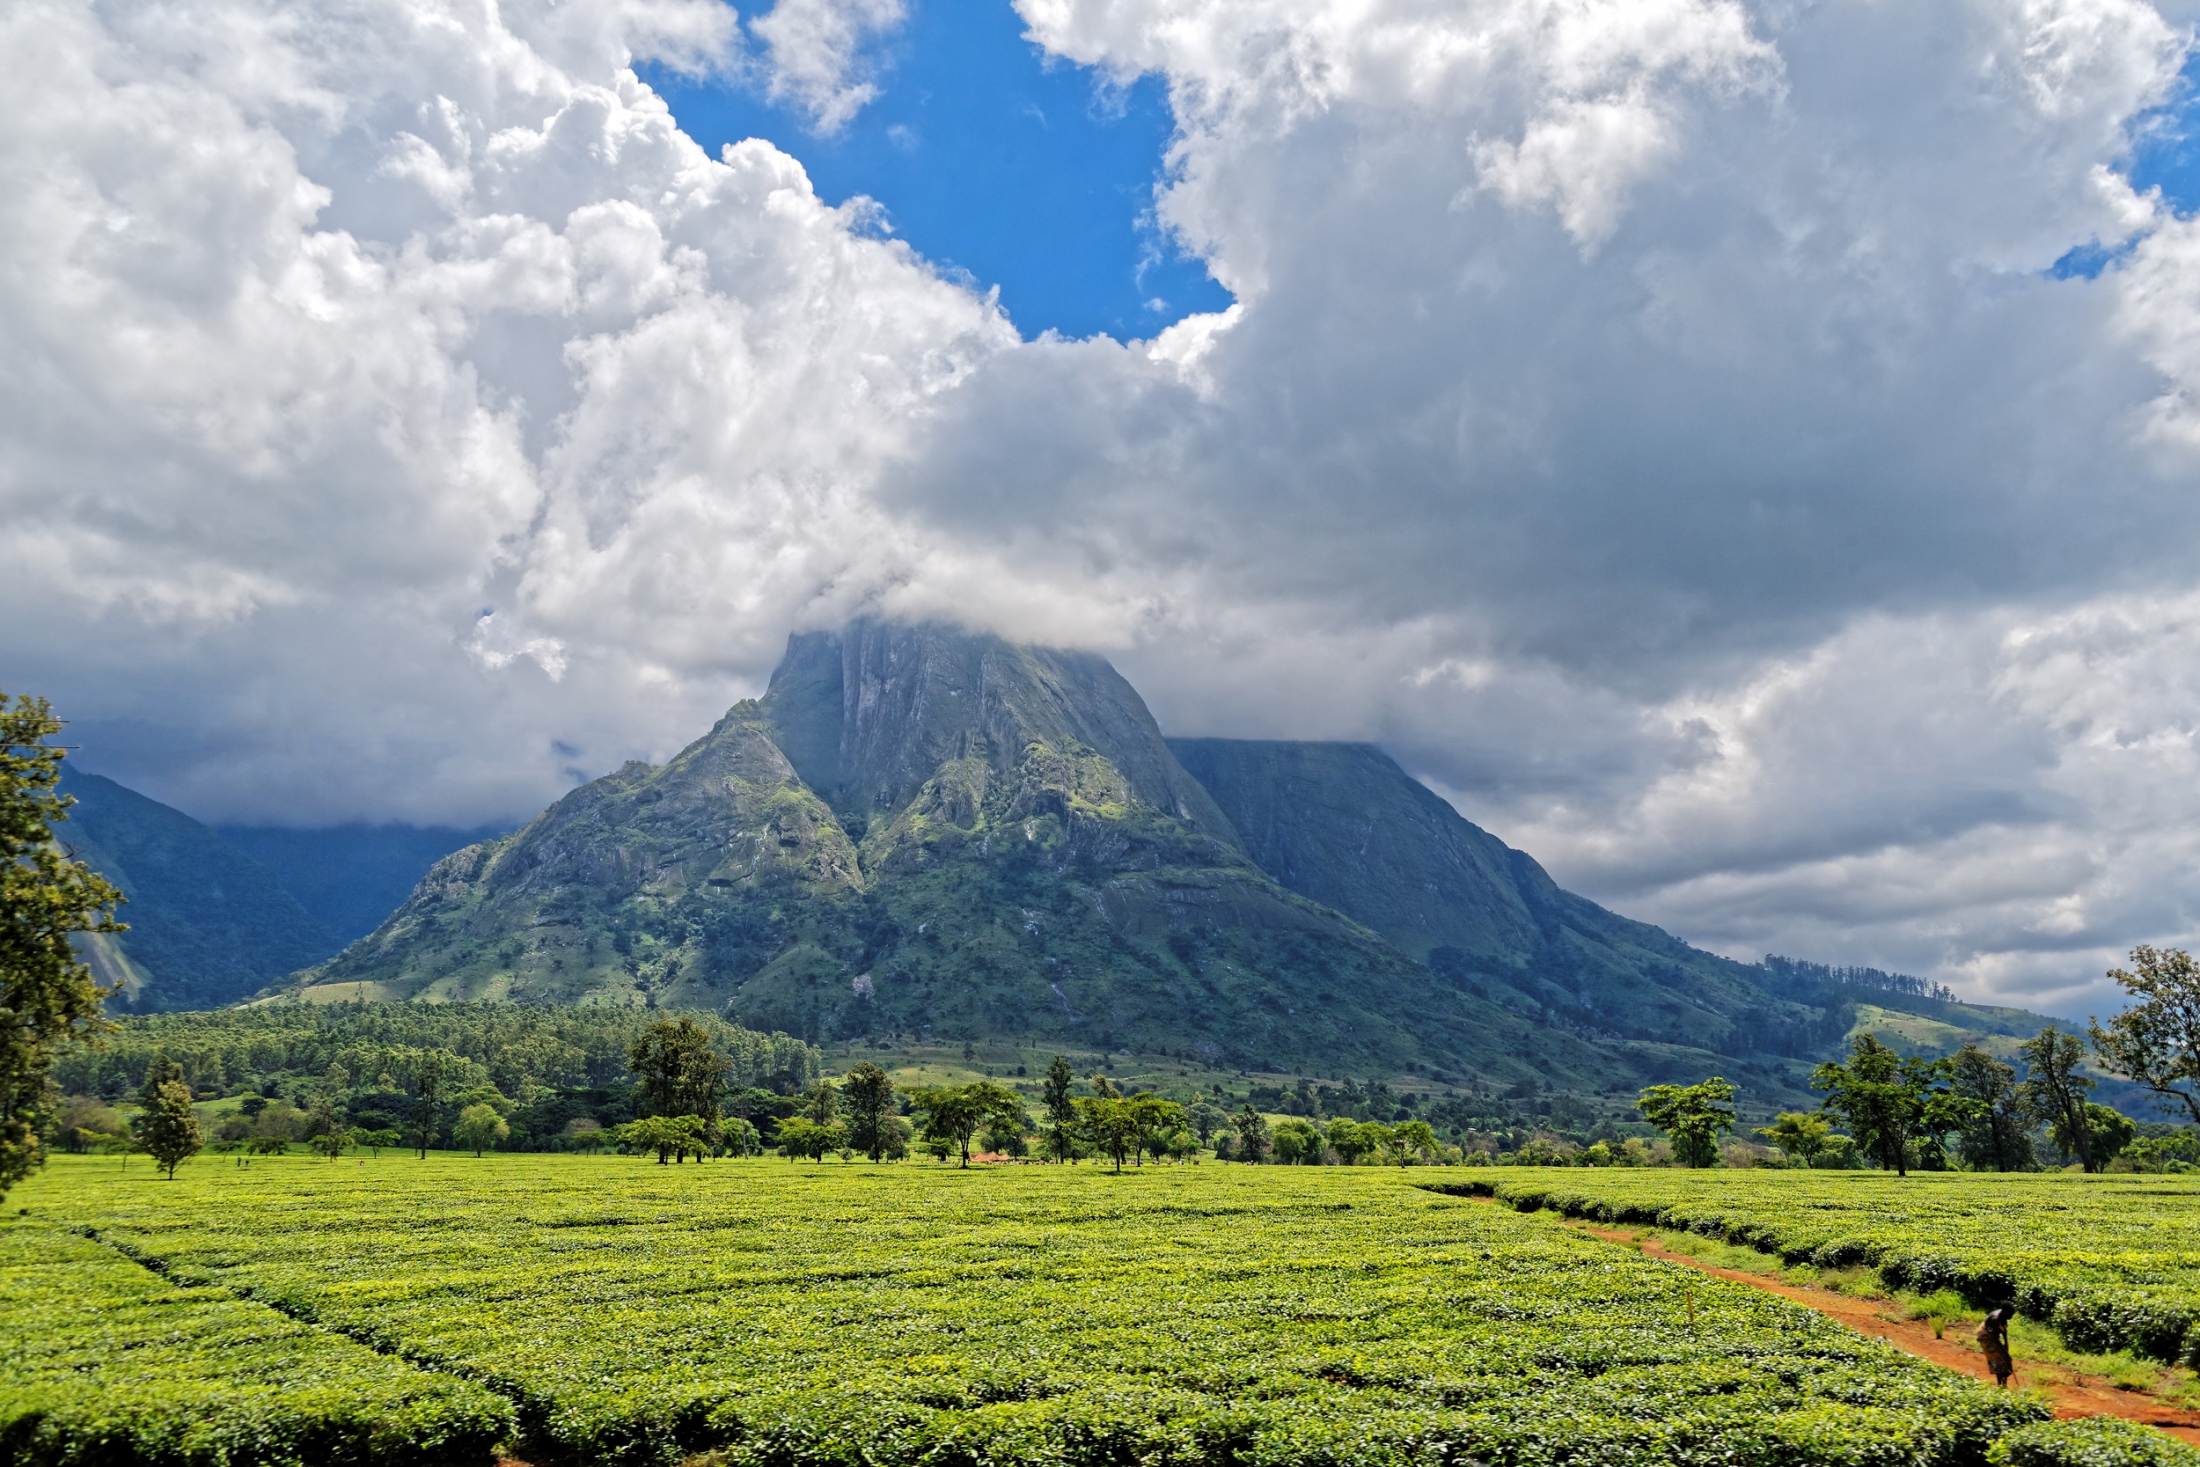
pixel 872 712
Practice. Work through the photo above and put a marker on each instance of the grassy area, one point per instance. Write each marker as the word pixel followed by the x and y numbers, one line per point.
pixel 802 1315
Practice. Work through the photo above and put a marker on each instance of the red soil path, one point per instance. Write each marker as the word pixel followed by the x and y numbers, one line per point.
pixel 2073 1394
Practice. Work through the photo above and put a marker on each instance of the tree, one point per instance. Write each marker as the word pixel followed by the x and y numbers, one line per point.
pixel 799 1136
pixel 1298 1143
pixel 1889 1102
pixel 1205 1118
pixel 870 1099
pixel 376 1140
pixel 1350 1140
pixel 2054 1091
pixel 1413 1138
pixel 1061 1110
pixel 678 1071
pixel 1252 1134
pixel 1153 1118
pixel 821 1103
pixel 951 1113
pixel 167 1127
pixel 1999 1136
pixel 2107 1133
pixel 1799 1135
pixel 741 1138
pixel 1108 1123
pixel 480 1127
pixel 1693 1116
pixel 666 1135
pixel 48 997
pixel 2156 1041
pixel 428 1074
pixel 332 1142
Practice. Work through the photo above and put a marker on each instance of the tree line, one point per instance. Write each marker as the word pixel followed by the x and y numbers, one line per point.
pixel 1971 1108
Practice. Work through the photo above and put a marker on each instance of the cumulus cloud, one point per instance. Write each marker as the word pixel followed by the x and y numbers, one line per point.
pixel 1657 422
pixel 816 52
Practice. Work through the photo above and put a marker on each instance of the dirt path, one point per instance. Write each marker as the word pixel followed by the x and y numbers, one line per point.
pixel 2073 1394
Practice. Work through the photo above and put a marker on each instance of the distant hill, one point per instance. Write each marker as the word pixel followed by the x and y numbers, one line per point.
pixel 208 925
pixel 351 877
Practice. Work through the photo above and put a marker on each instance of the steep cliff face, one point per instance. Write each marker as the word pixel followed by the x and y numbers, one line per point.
pixel 871 713
pixel 1343 825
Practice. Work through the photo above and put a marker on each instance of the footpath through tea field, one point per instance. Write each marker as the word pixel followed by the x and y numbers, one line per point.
pixel 610 1310
pixel 2113 1263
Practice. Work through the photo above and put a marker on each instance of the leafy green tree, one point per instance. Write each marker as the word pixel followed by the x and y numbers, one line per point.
pixel 167 1127
pixel 1999 1136
pixel 1205 1118
pixel 1798 1134
pixel 1350 1139
pixel 679 1073
pixel 953 1113
pixel 1251 1128
pixel 2054 1091
pixel 668 1136
pixel 480 1127
pixel 428 1072
pixel 1154 1118
pixel 869 1095
pixel 741 1138
pixel 800 1136
pixel 821 1103
pixel 1411 1139
pixel 1890 1103
pixel 1298 1143
pixel 2108 1133
pixel 1692 1116
pixel 48 998
pixel 2156 1041
pixel 1108 1124
pixel 376 1140
pixel 1004 1137
pixel 1061 1110
pixel 333 1142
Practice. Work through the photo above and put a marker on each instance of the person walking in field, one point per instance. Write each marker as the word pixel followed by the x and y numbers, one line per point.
pixel 1993 1338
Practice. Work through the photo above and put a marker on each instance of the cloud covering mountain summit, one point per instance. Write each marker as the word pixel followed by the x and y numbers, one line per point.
pixel 1659 423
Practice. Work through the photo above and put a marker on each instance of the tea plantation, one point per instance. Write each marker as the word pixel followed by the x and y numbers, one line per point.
pixel 610 1310
pixel 2112 1262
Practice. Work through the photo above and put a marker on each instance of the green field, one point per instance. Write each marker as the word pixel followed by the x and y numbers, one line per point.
pixel 840 1314
pixel 2113 1263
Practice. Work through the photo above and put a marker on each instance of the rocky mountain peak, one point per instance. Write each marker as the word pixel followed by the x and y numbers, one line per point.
pixel 871 713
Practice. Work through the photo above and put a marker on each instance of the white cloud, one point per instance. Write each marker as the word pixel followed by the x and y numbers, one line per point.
pixel 816 54
pixel 1653 420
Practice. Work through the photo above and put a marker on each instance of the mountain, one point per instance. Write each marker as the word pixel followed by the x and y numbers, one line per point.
pixel 920 831
pixel 1343 825
pixel 350 877
pixel 208 925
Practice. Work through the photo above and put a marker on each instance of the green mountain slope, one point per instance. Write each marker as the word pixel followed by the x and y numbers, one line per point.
pixel 924 833
pixel 1343 825
pixel 208 925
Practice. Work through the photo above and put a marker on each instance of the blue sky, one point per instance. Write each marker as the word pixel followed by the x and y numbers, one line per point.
pixel 1037 178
